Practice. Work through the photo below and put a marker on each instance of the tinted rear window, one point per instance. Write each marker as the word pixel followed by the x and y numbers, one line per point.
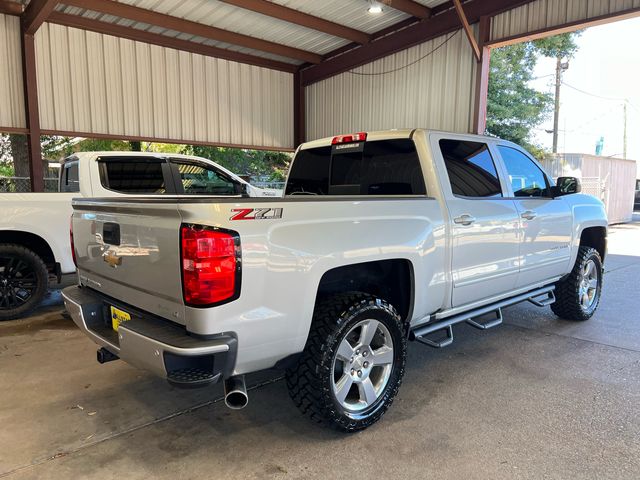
pixel 133 176
pixel 383 167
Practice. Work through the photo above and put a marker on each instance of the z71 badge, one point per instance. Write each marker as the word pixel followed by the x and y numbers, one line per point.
pixel 256 213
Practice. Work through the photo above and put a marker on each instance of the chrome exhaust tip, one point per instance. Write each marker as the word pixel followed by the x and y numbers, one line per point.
pixel 235 393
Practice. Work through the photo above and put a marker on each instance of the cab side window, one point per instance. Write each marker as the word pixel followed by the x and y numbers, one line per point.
pixel 199 179
pixel 70 181
pixel 471 170
pixel 526 178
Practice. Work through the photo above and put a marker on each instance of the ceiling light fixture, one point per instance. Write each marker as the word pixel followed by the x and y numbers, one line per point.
pixel 374 7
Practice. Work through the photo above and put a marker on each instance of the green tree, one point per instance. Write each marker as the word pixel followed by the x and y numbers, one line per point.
pixel 513 107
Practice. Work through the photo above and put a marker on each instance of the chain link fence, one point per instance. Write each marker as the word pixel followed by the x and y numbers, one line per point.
pixel 23 184
pixel 593 186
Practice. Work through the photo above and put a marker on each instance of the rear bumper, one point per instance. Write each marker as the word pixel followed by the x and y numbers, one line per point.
pixel 152 343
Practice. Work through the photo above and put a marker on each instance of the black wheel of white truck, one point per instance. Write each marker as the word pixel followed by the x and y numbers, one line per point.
pixel 353 363
pixel 23 281
pixel 578 295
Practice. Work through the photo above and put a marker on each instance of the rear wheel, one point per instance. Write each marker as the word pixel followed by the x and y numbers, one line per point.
pixel 578 295
pixel 353 363
pixel 23 281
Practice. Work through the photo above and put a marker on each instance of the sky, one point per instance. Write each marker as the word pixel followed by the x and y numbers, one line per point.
pixel 606 65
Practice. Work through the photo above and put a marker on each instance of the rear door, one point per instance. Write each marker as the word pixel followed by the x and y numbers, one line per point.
pixel 483 220
pixel 546 223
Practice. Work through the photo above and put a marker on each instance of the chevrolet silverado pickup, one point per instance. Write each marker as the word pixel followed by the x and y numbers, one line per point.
pixel 381 238
pixel 34 227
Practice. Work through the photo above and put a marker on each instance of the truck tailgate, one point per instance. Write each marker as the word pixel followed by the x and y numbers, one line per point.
pixel 131 251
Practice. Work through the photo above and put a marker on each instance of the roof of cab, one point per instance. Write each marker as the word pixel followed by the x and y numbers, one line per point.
pixel 391 134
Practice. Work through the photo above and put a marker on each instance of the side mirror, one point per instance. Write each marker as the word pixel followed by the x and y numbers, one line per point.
pixel 567 186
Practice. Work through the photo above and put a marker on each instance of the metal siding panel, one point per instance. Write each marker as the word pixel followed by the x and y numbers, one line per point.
pixel 113 83
pixel 224 96
pixel 94 83
pixel 97 84
pixel 79 79
pixel 129 81
pixel 211 104
pixel 144 90
pixel 186 95
pixel 159 92
pixel 436 92
pixel 172 73
pixel 545 14
pixel 12 113
pixel 61 79
pixel 43 77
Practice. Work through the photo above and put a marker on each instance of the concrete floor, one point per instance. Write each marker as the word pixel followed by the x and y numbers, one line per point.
pixel 536 398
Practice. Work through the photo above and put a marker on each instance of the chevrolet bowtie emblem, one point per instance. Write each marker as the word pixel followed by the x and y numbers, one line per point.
pixel 112 259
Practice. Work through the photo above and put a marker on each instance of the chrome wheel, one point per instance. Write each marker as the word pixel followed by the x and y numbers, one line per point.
pixel 362 365
pixel 588 287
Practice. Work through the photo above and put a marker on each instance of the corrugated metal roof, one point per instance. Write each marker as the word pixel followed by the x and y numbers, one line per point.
pixel 351 13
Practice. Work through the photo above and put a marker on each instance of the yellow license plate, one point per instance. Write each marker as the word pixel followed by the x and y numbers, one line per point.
pixel 117 317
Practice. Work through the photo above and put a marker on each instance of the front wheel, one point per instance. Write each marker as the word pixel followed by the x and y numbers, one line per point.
pixel 23 281
pixel 353 363
pixel 578 295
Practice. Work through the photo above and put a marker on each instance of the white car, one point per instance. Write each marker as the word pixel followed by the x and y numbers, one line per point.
pixel 34 227
pixel 381 238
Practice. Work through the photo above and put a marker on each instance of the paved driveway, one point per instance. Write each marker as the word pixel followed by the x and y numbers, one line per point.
pixel 536 398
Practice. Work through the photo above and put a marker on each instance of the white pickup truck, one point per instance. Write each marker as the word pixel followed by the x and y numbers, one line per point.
pixel 34 227
pixel 381 238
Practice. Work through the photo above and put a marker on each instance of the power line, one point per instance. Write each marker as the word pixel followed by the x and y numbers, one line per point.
pixel 595 95
pixel 435 49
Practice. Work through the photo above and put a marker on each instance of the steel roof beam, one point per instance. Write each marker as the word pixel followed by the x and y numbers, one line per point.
pixel 98 26
pixel 414 9
pixel 193 28
pixel 35 14
pixel 11 8
pixel 467 28
pixel 300 18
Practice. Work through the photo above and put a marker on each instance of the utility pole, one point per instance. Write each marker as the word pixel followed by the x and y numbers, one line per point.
pixel 560 67
pixel 624 134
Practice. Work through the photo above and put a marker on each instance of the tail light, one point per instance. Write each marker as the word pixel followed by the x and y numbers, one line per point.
pixel 73 246
pixel 210 265
pixel 352 137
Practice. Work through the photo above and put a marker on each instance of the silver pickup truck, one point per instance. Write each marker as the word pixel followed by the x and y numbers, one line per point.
pixel 381 238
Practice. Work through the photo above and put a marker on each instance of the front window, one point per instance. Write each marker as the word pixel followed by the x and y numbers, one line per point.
pixel 527 179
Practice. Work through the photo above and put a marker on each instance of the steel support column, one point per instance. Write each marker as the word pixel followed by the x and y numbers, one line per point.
pixel 32 113
pixel 482 77
pixel 299 110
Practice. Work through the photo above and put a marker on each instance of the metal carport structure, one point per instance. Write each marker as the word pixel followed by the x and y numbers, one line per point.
pixel 258 73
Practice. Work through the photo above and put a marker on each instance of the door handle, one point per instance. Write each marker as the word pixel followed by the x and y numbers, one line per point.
pixel 464 219
pixel 529 215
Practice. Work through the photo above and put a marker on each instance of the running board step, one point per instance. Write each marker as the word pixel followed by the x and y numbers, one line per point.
pixel 424 333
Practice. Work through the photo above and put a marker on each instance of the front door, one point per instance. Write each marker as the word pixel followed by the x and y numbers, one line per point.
pixel 546 223
pixel 483 223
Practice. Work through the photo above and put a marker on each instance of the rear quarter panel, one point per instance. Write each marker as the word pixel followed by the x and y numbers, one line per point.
pixel 283 261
